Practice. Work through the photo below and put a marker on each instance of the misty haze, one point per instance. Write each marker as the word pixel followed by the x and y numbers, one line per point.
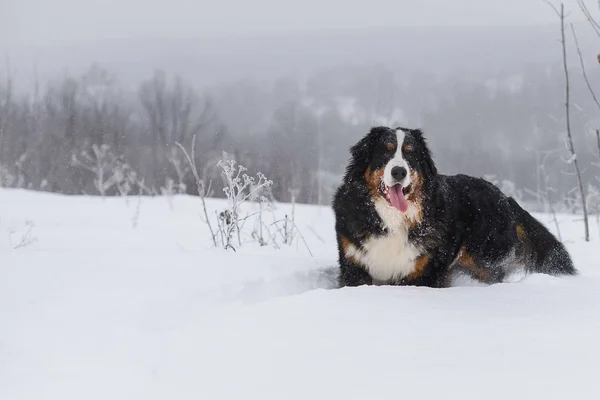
pixel 167 173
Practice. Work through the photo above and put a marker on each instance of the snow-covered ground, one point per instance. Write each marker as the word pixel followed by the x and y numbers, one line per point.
pixel 106 300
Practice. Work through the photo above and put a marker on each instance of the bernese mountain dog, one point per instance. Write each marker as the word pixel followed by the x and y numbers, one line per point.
pixel 399 222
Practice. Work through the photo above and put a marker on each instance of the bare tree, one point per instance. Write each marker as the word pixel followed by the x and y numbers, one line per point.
pixel 596 27
pixel 570 144
pixel 174 113
pixel 152 97
pixel 294 152
pixel 5 109
pixel 598 142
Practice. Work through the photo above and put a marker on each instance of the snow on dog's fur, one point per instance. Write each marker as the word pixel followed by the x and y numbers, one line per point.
pixel 398 221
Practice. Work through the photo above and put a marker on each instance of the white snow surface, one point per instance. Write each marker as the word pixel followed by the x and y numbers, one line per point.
pixel 95 308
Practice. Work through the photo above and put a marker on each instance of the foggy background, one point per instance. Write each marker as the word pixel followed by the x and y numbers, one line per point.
pixel 106 88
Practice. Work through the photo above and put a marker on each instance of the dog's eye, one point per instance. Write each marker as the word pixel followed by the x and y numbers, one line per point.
pixel 390 146
pixel 407 148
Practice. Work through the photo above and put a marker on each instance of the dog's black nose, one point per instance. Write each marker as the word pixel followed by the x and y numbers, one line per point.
pixel 399 173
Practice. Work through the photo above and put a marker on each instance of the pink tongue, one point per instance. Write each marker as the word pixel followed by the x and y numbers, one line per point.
pixel 397 198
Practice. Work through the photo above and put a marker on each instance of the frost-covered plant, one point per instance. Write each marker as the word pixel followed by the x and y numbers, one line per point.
pixel 181 168
pixel 239 187
pixel 286 228
pixel 20 167
pixel 593 200
pixel 261 233
pixel 25 239
pixel 168 191
pixel 124 178
pixel 98 162
pixel 6 178
pixel 138 207
pixel 507 187
pixel 109 170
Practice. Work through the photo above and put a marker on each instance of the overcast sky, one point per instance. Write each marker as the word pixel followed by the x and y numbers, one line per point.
pixel 63 21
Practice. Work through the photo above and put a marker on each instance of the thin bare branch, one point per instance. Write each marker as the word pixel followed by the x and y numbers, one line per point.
pixel 553 7
pixel 598 141
pixel 585 77
pixel 303 240
pixel 555 222
pixel 595 26
pixel 199 185
pixel 298 231
pixel 570 142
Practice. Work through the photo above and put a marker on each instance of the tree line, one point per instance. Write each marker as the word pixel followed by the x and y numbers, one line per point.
pixel 93 134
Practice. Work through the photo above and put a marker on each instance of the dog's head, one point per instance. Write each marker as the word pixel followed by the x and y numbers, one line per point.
pixel 395 164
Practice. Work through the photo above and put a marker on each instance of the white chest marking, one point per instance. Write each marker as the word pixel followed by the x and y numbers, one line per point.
pixel 388 257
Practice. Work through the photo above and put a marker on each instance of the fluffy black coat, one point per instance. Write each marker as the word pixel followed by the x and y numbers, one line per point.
pixel 462 225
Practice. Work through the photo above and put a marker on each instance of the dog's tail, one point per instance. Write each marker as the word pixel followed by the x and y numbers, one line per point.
pixel 538 247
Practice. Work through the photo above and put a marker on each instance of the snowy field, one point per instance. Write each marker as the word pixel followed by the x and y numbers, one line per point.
pixel 100 299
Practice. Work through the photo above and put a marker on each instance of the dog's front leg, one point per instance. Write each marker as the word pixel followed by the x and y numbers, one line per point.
pixel 353 274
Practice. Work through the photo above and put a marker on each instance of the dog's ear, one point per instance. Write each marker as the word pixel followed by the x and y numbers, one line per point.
pixel 361 151
pixel 425 156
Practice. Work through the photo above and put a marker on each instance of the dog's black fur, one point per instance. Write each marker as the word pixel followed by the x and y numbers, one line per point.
pixel 463 224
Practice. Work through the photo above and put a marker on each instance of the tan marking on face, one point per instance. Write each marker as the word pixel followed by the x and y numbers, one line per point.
pixel 407 148
pixel 415 196
pixel 416 187
pixel 414 217
pixel 390 146
pixel 373 179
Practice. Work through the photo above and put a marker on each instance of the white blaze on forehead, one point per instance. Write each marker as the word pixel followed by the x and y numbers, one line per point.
pixel 397 161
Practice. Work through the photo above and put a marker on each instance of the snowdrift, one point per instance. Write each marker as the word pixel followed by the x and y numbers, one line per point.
pixel 108 299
